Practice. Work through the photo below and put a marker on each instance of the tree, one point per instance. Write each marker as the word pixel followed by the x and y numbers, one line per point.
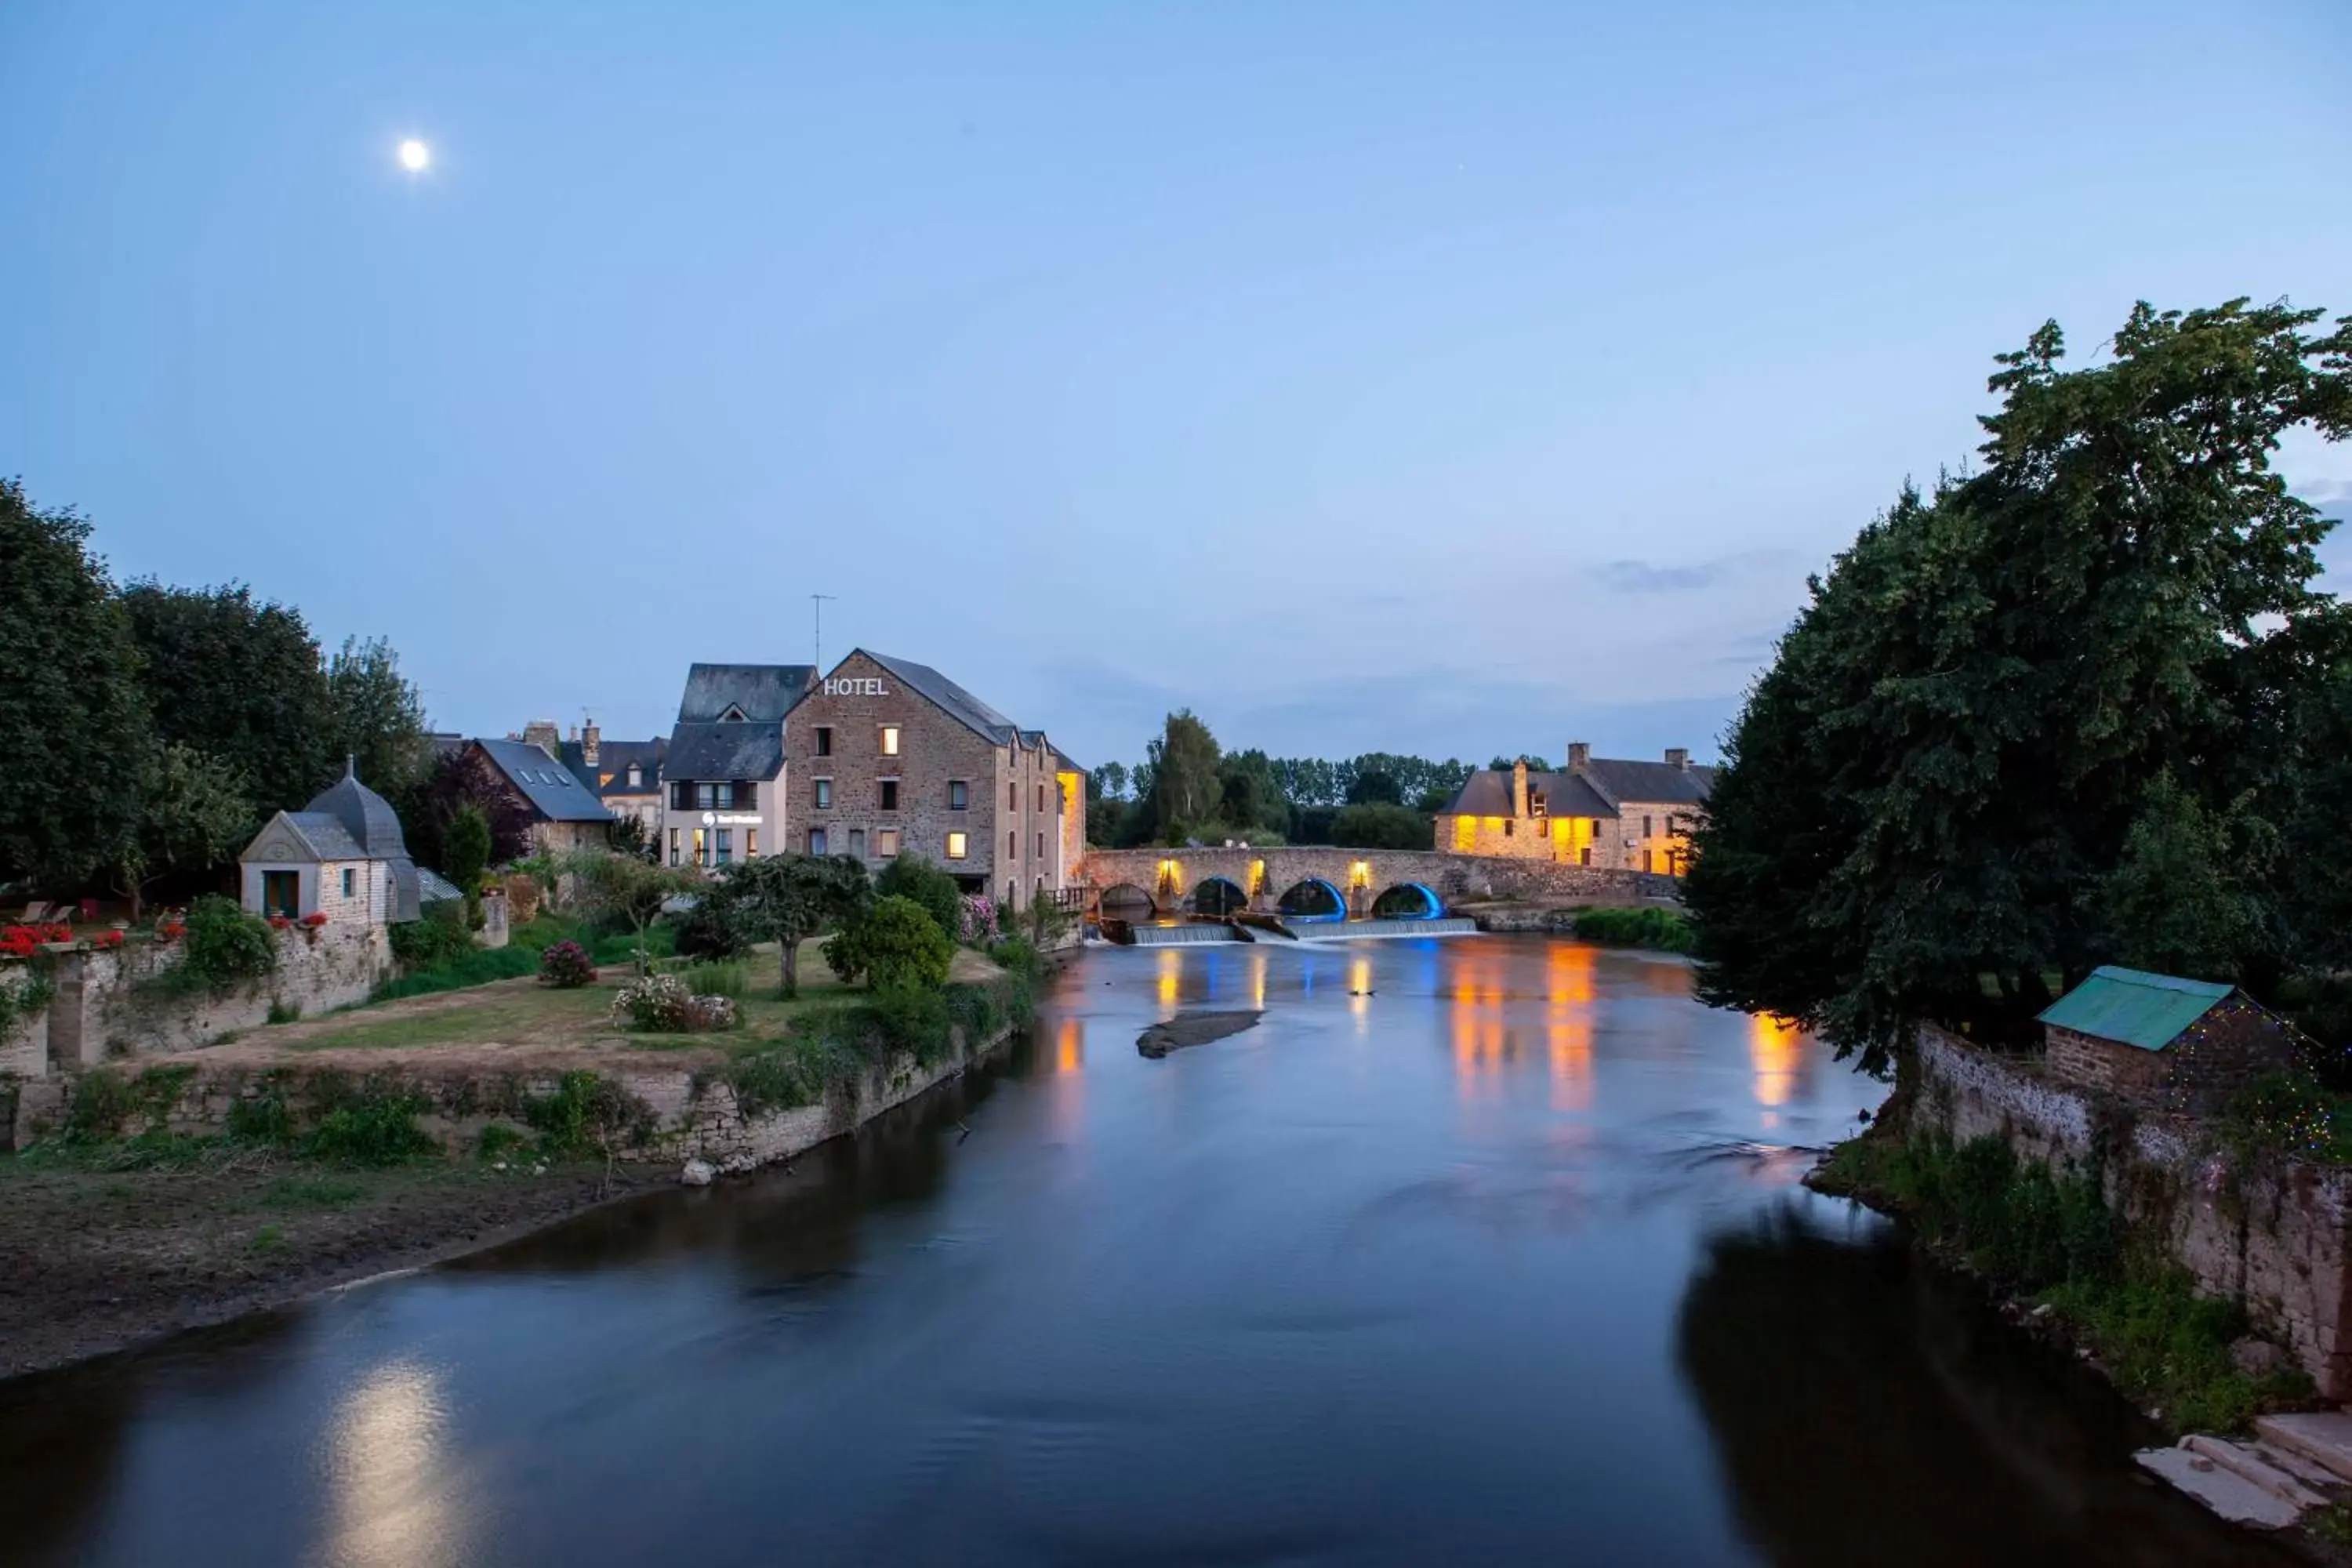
pixel 1380 825
pixel 193 815
pixel 622 885
pixel 913 877
pixel 378 718
pixel 894 943
pixel 241 681
pixel 788 898
pixel 1373 787
pixel 1251 800
pixel 1108 782
pixel 1184 789
pixel 2177 901
pixel 1968 714
pixel 73 716
pixel 460 779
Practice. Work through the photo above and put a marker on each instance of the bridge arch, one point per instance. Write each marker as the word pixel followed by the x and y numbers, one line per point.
pixel 1126 901
pixel 1408 901
pixel 1313 899
pixel 1216 896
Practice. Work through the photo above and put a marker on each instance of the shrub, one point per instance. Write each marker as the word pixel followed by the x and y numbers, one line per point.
pixel 784 1078
pixel 586 1113
pixel 713 927
pixel 1018 955
pixel 894 943
pixel 567 966
pixel 225 946
pixel 717 979
pixel 499 1139
pixel 284 1011
pixel 2280 1113
pixel 1665 931
pixel 439 938
pixel 658 1004
pixel 376 1129
pixel 914 1019
pixel 263 1116
pixel 976 925
pixel 913 877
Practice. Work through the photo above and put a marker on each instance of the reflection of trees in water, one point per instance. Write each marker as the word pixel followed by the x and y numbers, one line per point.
pixel 62 1433
pixel 1865 1412
pixel 776 1226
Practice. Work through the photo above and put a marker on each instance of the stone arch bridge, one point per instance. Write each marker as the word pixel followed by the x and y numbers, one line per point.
pixel 1172 881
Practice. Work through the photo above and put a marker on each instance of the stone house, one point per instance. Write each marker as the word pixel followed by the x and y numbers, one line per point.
pixel 723 772
pixel 890 757
pixel 1605 812
pixel 565 814
pixel 2163 1042
pixel 627 775
pixel 343 856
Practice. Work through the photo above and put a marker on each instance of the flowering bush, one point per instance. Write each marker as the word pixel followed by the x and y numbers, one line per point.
pixel 978 924
pixel 107 939
pixel 170 931
pixel 21 940
pixel 281 923
pixel 566 965
pixel 660 1003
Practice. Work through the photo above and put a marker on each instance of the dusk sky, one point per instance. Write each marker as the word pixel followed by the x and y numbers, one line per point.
pixel 1441 378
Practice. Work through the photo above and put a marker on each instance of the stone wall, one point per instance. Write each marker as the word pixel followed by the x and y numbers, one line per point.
pixel 109 1005
pixel 2275 1235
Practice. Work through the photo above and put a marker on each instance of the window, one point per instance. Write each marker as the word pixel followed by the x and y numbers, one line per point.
pixel 725 852
pixel 673 845
pixel 1538 804
pixel 1040 797
pixel 889 795
pixel 706 796
pixel 823 794
pixel 816 840
pixel 1649 859
pixel 701 848
pixel 957 845
pixel 350 883
pixel 281 893
pixel 1465 833
pixel 890 739
pixel 637 776
pixel 824 740
pixel 857 843
pixel 886 842
pixel 751 844
pixel 1013 847
pixel 1510 826
pixel 1041 847
pixel 958 794
pixel 681 796
pixel 1585 856
pixel 1013 797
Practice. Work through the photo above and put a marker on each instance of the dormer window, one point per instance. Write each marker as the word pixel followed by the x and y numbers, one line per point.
pixel 637 776
pixel 733 715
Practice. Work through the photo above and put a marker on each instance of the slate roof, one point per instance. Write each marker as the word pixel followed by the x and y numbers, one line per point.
pixel 324 832
pixel 613 757
pixel 1488 793
pixel 726 751
pixel 433 887
pixel 764 692
pixel 1648 783
pixel 366 817
pixel 949 697
pixel 1062 763
pixel 2133 1007
pixel 547 784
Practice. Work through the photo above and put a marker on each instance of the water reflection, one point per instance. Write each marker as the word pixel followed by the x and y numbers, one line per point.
pixel 1783 1056
pixel 1568 1024
pixel 391 1477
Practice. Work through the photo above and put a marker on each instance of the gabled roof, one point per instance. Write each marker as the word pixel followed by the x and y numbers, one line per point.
pixel 948 697
pixel 329 839
pixel 1488 793
pixel 726 751
pixel 2133 1007
pixel 613 757
pixel 761 693
pixel 548 786
pixel 1650 782
pixel 1062 763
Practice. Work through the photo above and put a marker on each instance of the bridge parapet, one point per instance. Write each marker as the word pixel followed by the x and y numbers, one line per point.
pixel 1169 878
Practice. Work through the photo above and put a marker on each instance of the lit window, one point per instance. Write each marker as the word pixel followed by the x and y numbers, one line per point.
pixel 886 842
pixel 351 882
pixel 890 739
pixel 958 794
pixel 673 845
pixel 1465 833
pixel 751 844
pixel 701 848
pixel 889 794
pixel 823 793
pixel 956 846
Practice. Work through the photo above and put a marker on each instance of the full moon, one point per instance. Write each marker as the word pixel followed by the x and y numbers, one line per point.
pixel 414 155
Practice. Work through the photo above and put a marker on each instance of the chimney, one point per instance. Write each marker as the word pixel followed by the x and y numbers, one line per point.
pixel 1579 755
pixel 1520 787
pixel 540 732
pixel 1678 757
pixel 591 741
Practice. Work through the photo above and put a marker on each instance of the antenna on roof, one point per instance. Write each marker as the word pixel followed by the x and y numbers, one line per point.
pixel 818 600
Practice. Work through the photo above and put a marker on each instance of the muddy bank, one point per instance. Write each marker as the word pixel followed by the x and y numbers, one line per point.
pixel 93 1260
pixel 1193 1029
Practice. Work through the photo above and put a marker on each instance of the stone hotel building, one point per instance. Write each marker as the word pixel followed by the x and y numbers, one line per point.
pixel 888 757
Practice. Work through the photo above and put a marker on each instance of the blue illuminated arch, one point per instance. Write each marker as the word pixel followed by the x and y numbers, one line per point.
pixel 1295 910
pixel 1426 906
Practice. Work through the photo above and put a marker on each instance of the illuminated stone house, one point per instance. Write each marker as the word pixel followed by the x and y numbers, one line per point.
pixel 887 757
pixel 1611 812
pixel 2163 1042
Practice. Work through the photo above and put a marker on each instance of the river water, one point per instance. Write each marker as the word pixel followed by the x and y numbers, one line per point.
pixel 1502 1261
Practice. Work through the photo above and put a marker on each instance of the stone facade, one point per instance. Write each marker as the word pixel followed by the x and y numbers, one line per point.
pixel 2274 1236
pixel 1609 815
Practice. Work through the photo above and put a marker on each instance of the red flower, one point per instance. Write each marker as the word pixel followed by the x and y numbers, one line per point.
pixel 280 922
pixel 315 919
pixel 170 930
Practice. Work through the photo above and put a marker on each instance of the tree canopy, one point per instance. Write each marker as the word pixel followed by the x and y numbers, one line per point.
pixel 2020 701
pixel 788 898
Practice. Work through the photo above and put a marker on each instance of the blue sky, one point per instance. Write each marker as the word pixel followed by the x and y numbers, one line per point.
pixel 1448 378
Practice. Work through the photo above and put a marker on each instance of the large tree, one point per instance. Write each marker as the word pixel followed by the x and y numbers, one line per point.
pixel 788 898
pixel 193 814
pixel 241 679
pixel 73 717
pixel 379 719
pixel 1970 711
pixel 1184 787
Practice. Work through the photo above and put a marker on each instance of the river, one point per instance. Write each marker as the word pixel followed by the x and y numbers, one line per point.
pixel 1480 1250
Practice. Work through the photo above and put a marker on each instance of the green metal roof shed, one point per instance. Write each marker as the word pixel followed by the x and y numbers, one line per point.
pixel 2134 1007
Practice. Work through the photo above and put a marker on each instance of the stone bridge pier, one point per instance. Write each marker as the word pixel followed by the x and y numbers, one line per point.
pixel 1172 881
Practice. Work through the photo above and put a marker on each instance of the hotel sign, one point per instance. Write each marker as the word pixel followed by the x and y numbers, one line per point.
pixel 858 686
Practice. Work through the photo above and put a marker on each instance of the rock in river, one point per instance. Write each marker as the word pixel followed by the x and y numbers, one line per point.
pixel 1193 1029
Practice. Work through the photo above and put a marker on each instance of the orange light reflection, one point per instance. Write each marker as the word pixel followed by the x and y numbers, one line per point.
pixel 1777 1047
